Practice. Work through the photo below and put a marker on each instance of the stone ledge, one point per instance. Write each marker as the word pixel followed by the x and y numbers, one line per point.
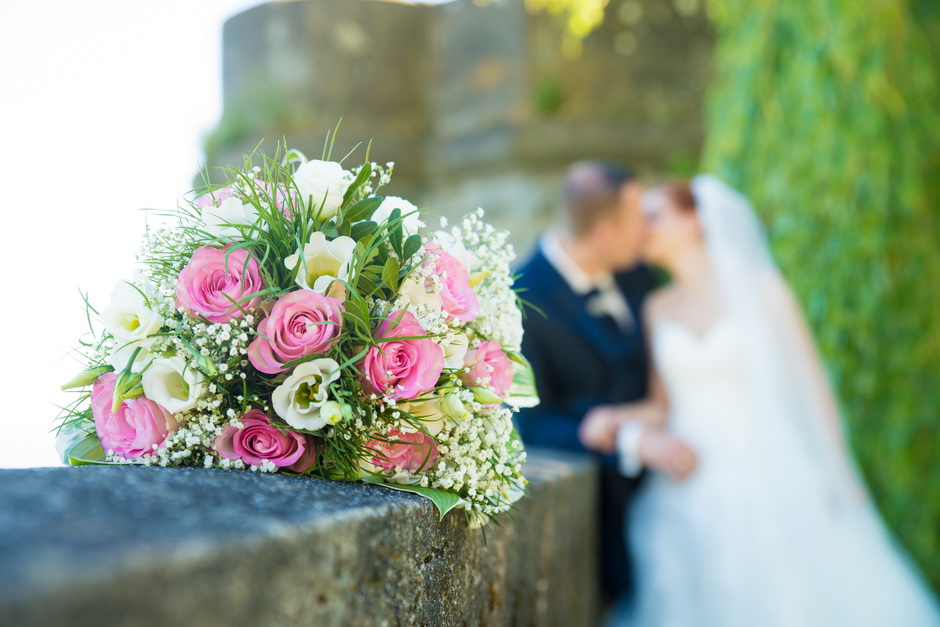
pixel 151 546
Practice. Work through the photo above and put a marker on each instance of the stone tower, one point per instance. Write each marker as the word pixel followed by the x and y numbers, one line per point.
pixel 476 104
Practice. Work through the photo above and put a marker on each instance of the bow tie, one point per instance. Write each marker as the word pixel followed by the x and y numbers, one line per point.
pixel 609 301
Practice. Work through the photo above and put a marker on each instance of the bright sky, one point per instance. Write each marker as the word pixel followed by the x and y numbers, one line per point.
pixel 103 105
pixel 102 108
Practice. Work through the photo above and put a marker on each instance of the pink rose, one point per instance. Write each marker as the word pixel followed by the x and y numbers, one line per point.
pixel 490 367
pixel 458 298
pixel 402 368
pixel 136 426
pixel 300 323
pixel 219 284
pixel 258 440
pixel 410 451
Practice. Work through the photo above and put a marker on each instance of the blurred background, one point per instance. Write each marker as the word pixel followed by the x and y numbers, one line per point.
pixel 824 112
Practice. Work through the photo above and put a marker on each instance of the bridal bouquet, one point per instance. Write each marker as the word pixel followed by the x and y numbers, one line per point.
pixel 292 320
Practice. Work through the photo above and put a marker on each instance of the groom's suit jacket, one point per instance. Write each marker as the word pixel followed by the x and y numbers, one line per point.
pixel 583 359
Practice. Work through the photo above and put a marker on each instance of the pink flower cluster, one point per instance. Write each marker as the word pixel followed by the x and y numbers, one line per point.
pixel 135 428
pixel 489 366
pixel 405 363
pixel 411 452
pixel 220 284
pixel 301 323
pixel 457 295
pixel 259 441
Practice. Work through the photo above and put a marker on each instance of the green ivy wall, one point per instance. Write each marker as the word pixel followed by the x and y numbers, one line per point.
pixel 825 113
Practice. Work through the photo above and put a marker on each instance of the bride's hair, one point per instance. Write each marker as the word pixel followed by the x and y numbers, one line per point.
pixel 680 193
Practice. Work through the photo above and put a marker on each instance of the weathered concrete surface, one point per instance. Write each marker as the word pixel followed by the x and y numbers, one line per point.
pixel 150 546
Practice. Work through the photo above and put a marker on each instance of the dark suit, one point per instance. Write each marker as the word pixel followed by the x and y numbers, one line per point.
pixel 581 361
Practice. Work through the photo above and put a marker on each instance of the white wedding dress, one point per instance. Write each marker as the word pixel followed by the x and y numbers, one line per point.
pixel 774 528
pixel 754 538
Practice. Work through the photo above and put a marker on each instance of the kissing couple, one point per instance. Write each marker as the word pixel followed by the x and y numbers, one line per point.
pixel 725 476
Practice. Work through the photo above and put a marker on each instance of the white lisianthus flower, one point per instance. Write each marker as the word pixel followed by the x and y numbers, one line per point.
pixel 299 399
pixel 323 261
pixel 221 221
pixel 131 322
pixel 129 318
pixel 412 222
pixel 452 245
pixel 429 413
pixel 323 183
pixel 120 356
pixel 455 349
pixel 418 291
pixel 173 383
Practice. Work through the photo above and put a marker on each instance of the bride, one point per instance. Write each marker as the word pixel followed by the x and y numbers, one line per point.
pixel 767 523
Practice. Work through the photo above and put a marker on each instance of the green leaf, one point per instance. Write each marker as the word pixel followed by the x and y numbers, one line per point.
pixel 361 230
pixel 366 285
pixel 390 274
pixel 86 377
pixel 364 173
pixel 523 392
pixel 444 500
pixel 329 229
pixel 412 245
pixel 87 452
pixel 395 232
pixel 363 209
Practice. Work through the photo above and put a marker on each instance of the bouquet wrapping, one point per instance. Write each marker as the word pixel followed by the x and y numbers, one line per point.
pixel 293 320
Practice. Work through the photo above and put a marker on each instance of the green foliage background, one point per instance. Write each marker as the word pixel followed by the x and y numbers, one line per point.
pixel 825 113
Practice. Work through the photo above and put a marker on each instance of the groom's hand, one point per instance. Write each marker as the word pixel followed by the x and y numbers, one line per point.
pixel 598 430
pixel 662 451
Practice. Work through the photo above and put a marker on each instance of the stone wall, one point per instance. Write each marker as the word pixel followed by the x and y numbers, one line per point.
pixel 476 104
pixel 151 546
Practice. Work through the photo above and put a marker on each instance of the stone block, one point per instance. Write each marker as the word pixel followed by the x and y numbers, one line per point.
pixel 153 546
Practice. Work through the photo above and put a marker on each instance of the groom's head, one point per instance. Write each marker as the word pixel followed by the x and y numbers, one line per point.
pixel 602 210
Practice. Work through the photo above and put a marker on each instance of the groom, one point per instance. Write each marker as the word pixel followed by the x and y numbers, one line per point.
pixel 588 350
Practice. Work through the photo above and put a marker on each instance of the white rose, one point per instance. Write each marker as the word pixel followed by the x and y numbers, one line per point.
pixel 417 292
pixel 450 244
pixel 298 400
pixel 324 261
pixel 221 221
pixel 131 323
pixel 455 349
pixel 412 222
pixel 173 383
pixel 429 413
pixel 323 182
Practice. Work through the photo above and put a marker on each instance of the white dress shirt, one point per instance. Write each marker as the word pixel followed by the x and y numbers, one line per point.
pixel 609 299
